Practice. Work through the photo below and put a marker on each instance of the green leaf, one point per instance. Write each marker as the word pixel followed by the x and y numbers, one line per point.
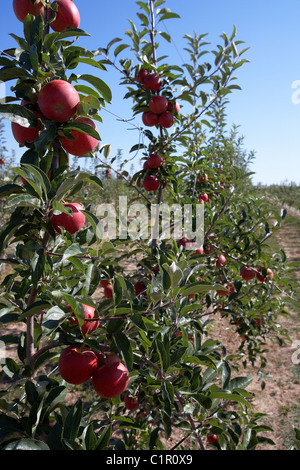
pixel 226 374
pixel 124 346
pixel 99 84
pixel 227 395
pixel 119 49
pixel 36 308
pixel 81 127
pixel 92 279
pixel 51 38
pixel 27 444
pixel 104 438
pixel 72 421
pixel 19 114
pixel 37 265
pixel 53 318
pixel 13 73
pixel 9 189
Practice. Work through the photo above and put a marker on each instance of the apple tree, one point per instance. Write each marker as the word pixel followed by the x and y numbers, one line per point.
pixel 131 320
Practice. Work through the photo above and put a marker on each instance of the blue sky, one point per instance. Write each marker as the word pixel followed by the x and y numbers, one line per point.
pixel 268 107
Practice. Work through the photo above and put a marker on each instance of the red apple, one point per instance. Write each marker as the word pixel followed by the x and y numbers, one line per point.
pixel 212 438
pixel 67 16
pixel 87 326
pixel 152 82
pixel 158 104
pixel 166 120
pixel 146 165
pixel 58 100
pixel 140 287
pixel 199 251
pixel 76 366
pixel 151 183
pixel 174 107
pixel 222 259
pixel 183 242
pixel 82 143
pixel 154 161
pixel 26 134
pixel 108 291
pixel 150 119
pixel 24 7
pixel 110 379
pixel 130 402
pixel 2 161
pixel 71 223
pixel 204 197
pixel 140 76
pixel 104 283
pixel 261 278
pixel 247 273
pixel 203 178
pixel 223 293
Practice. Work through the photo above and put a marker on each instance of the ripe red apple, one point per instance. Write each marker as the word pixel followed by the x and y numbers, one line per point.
pixel 104 283
pixel 152 82
pixel 108 291
pixel 2 161
pixel 247 273
pixel 76 366
pixel 174 107
pixel 223 293
pixel 82 143
pixel 268 277
pixel 199 251
pixel 110 379
pixel 26 134
pixel 212 438
pixel 203 178
pixel 183 242
pixel 58 100
pixel 146 165
pixel 140 76
pixel 166 120
pixel 88 326
pixel 140 287
pixel 222 259
pixel 204 198
pixel 71 223
pixel 130 402
pixel 158 104
pixel 151 183
pixel 154 161
pixel 67 16
pixel 24 7
pixel 150 119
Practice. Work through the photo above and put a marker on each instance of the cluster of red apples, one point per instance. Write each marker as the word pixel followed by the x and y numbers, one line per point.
pixel 57 100
pixel 161 110
pixel 77 365
pixel 160 113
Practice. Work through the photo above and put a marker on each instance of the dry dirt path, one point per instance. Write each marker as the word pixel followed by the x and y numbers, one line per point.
pixel 280 400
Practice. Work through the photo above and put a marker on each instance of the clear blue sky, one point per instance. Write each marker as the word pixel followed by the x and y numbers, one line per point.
pixel 268 116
